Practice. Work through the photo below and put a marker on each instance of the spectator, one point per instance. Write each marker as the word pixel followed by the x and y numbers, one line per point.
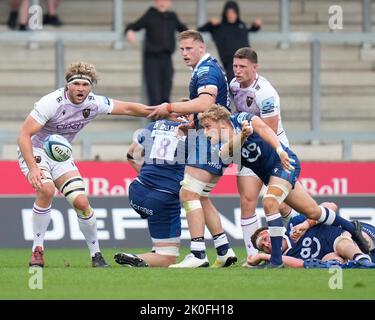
pixel 230 34
pixel 19 12
pixel 51 17
pixel 160 24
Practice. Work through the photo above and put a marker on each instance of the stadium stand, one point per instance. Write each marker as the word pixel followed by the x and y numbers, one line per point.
pixel 347 72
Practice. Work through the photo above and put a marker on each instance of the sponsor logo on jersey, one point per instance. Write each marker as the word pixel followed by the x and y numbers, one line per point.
pixel 268 105
pixel 38 159
pixel 76 126
pixel 249 101
pixel 86 112
pixel 59 99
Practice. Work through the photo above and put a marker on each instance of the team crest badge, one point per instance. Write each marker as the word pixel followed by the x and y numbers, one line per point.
pixel 249 101
pixel 86 113
pixel 38 159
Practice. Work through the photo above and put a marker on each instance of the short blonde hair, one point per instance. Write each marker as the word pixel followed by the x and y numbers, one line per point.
pixel 215 113
pixel 82 68
pixel 191 34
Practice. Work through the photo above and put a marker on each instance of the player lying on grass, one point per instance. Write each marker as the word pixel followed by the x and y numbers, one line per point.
pixel 158 155
pixel 304 240
pixel 245 138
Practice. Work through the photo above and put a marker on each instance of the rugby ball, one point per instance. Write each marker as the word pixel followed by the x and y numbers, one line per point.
pixel 57 148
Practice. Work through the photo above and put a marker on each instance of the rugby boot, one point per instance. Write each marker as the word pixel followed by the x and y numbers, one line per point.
pixel 129 260
pixel 97 261
pixel 37 259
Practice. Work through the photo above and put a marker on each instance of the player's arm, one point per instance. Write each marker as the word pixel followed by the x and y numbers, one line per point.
pixel 290 262
pixel 129 109
pixel 268 135
pixel 135 156
pixel 28 129
pixel 272 122
pixel 206 98
pixel 300 229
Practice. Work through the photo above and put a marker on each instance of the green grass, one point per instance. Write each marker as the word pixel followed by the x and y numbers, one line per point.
pixel 68 275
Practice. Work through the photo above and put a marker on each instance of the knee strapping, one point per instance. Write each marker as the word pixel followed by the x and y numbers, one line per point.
pixel 279 198
pixel 192 184
pixel 71 189
pixel 207 189
pixel 191 205
pixel 167 251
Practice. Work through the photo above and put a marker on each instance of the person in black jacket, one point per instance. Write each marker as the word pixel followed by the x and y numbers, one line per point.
pixel 230 34
pixel 160 24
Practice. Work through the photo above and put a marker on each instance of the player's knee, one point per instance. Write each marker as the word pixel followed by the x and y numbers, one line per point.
pixel 191 205
pixel 270 205
pixel 342 242
pixel 47 191
pixel 191 188
pixel 74 191
pixel 274 196
pixel 284 209
pixel 81 203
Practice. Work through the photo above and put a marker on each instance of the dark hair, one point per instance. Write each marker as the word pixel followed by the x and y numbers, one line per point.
pixel 255 236
pixel 246 53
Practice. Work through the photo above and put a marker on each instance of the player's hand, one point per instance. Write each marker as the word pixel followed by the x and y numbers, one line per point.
pixel 184 128
pixel 255 259
pixel 35 177
pixel 246 129
pixel 299 230
pixel 130 35
pixel 159 111
pixel 286 161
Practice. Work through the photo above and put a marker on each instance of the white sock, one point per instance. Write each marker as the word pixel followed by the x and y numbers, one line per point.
pixel 41 218
pixel 249 226
pixel 89 230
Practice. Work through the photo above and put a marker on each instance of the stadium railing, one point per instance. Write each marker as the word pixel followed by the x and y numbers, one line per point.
pixel 284 37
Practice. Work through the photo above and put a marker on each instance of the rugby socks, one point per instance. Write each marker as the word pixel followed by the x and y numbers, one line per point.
pixel 89 230
pixel 221 244
pixel 41 218
pixel 330 217
pixel 277 230
pixel 198 247
pixel 249 226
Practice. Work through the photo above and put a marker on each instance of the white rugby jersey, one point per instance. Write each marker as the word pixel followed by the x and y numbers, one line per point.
pixel 260 99
pixel 59 115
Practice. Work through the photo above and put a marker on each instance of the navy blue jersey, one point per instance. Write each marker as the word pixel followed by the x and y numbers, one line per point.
pixel 165 156
pixel 208 73
pixel 315 243
pixel 260 157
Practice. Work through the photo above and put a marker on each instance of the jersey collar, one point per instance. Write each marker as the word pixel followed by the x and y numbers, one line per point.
pixel 204 58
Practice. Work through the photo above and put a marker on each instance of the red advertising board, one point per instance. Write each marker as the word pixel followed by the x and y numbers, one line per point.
pixel 113 178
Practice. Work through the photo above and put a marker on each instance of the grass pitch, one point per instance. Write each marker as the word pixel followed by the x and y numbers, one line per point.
pixel 68 275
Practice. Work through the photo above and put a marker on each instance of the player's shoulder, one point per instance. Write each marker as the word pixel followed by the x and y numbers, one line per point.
pixel 234 85
pixel 97 98
pixel 264 87
pixel 54 98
